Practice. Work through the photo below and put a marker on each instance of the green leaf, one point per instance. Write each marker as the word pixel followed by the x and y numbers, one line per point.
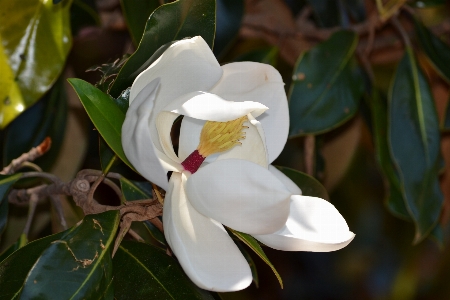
pixel 254 245
pixel 414 141
pixel 336 13
pixel 78 265
pixel 396 200
pixel 14 269
pixel 155 233
pixel 22 241
pixel 229 14
pixel 35 41
pixel 249 259
pixel 135 190
pixel 136 13
pixel 142 271
pixel 46 118
pixel 107 157
pixel 435 49
pixel 104 113
pixel 327 86
pixel 6 181
pixel 308 184
pixel 266 55
pixel 168 23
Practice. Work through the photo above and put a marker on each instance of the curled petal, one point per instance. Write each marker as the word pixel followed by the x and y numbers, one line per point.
pixel 206 106
pixel 313 225
pixel 203 247
pixel 137 143
pixel 186 66
pixel 241 195
pixel 288 183
pixel 251 81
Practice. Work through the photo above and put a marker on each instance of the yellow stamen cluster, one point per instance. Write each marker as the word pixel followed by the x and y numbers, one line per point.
pixel 221 136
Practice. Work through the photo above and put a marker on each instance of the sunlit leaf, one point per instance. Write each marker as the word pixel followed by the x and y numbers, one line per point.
pixel 78 265
pixel 35 41
pixel 169 22
pixel 6 181
pixel 266 56
pixel 414 140
pixel 104 113
pixel 229 15
pixel 136 13
pixel 308 184
pixel 327 86
pixel 22 241
pixel 254 245
pixel 435 49
pixel 143 271
pixel 47 118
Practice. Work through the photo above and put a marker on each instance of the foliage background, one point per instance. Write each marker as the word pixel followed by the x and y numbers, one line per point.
pixel 381 263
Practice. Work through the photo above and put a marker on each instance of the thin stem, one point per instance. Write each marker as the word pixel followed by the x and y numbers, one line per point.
pixel 94 186
pixel 48 176
pixel 56 201
pixel 31 210
pixel 399 27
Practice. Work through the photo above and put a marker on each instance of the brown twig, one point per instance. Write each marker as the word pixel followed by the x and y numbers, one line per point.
pixel 309 148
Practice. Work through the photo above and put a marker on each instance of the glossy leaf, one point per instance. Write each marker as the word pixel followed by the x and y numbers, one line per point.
pixel 143 271
pixel 308 184
pixel 47 118
pixel 414 141
pixel 327 86
pixel 6 181
pixel 78 265
pixel 107 157
pixel 22 241
pixel 136 13
pixel 14 269
pixel 229 14
pixel 435 49
pixel 395 201
pixel 155 233
pixel 104 113
pixel 35 41
pixel 254 245
pixel 135 190
pixel 266 56
pixel 169 22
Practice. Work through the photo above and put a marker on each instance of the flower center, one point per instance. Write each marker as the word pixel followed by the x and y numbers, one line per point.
pixel 215 137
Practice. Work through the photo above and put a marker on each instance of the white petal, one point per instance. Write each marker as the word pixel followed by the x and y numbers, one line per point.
pixel 206 106
pixel 186 66
pixel 253 147
pixel 288 183
pixel 250 81
pixel 313 225
pixel 164 123
pixel 138 145
pixel 189 136
pixel 241 195
pixel 204 249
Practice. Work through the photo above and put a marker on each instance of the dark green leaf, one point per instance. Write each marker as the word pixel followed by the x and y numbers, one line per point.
pixel 107 157
pixel 136 13
pixel 83 13
pixel 428 3
pixel 169 22
pixel 22 241
pixel 337 13
pixel 266 56
pixel 327 86
pixel 47 118
pixel 78 265
pixel 435 49
pixel 109 72
pixel 104 113
pixel 253 244
pixel 14 269
pixel 155 233
pixel 414 139
pixel 35 40
pixel 446 126
pixel 6 181
pixel 229 15
pixel 123 100
pixel 308 184
pixel 135 190
pixel 395 201
pixel 142 271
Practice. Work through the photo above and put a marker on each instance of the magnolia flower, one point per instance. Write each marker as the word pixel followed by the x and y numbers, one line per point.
pixel 235 123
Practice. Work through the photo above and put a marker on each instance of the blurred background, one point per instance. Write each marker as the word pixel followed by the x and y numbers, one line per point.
pixel 381 262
